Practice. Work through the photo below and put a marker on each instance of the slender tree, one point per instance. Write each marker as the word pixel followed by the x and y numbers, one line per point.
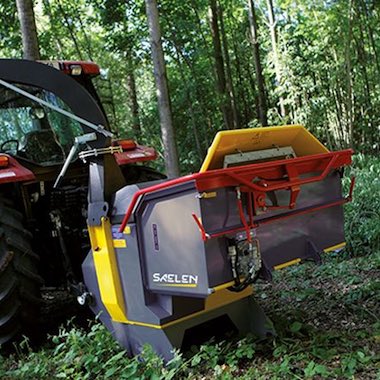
pixel 276 60
pixel 181 59
pixel 28 29
pixel 221 86
pixel 71 30
pixel 349 82
pixel 164 107
pixel 229 80
pixel 367 23
pixel 133 104
pixel 240 85
pixel 262 98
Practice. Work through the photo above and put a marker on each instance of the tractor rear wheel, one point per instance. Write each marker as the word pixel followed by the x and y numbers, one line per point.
pixel 20 298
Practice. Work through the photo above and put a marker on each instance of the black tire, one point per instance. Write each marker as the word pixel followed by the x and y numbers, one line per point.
pixel 20 297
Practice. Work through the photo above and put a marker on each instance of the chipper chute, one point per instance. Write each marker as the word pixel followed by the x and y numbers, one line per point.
pixel 174 256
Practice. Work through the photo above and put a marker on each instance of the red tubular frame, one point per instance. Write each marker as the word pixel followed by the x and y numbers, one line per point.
pixel 204 235
pixel 275 175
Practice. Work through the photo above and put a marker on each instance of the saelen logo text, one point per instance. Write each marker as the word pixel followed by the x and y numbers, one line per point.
pixel 173 279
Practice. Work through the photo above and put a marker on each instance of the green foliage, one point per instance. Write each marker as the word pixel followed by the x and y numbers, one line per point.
pixel 327 317
pixel 300 350
pixel 10 37
pixel 328 52
pixel 363 214
pixel 76 354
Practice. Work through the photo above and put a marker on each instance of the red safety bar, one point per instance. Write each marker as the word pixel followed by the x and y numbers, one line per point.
pixel 274 175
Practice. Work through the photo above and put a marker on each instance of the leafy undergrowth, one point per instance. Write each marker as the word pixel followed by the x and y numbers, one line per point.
pixel 326 319
pixel 363 214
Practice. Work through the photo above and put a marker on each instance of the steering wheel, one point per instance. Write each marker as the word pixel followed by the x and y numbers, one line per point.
pixel 12 141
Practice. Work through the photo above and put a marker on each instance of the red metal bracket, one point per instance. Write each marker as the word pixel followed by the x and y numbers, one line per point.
pixel 274 176
pixel 352 185
pixel 200 226
pixel 242 216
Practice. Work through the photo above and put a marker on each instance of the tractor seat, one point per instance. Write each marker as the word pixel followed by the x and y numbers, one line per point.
pixel 42 148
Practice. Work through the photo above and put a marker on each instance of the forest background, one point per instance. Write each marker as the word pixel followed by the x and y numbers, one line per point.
pixel 229 64
pixel 235 64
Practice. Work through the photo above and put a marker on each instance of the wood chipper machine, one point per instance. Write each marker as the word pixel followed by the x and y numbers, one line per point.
pixel 172 259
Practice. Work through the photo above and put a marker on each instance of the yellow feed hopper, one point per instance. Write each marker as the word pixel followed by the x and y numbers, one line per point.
pixel 257 139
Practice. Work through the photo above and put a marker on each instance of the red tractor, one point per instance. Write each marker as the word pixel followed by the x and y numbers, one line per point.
pixel 42 240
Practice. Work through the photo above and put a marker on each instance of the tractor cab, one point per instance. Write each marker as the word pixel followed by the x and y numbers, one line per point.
pixel 85 73
pixel 32 133
pixel 35 130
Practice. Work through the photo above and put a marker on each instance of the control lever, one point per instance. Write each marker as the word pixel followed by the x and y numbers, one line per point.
pixel 83 139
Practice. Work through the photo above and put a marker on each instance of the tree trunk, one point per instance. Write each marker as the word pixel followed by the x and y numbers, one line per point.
pixel 28 29
pixel 86 37
pixel 53 27
pixel 164 107
pixel 340 110
pixel 133 105
pixel 263 109
pixel 191 109
pixel 367 110
pixel 199 87
pixel 252 91
pixel 219 65
pixel 363 9
pixel 200 30
pixel 229 82
pixel 189 97
pixel 71 30
pixel 276 61
pixel 207 115
pixel 240 87
pixel 349 98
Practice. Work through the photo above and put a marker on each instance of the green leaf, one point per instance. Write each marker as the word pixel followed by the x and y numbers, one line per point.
pixel 295 327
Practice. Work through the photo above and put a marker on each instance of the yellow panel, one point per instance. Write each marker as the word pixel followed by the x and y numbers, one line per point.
pixel 110 288
pixel 205 195
pixel 119 243
pixel 214 301
pixel 287 264
pixel 225 297
pixel 127 230
pixel 226 285
pixel 335 247
pixel 107 271
pixel 223 286
pixel 253 139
